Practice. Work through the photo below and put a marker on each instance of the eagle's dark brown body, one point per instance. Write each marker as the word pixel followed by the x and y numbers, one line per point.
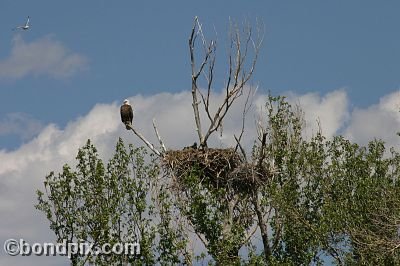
pixel 126 115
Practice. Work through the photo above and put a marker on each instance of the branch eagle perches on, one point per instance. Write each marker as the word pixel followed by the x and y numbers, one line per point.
pixel 126 111
pixel 148 144
pixel 242 48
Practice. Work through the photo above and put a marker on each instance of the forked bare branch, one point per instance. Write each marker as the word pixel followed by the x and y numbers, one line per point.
pixel 158 136
pixel 209 50
pixel 148 144
pixel 239 73
pixel 247 105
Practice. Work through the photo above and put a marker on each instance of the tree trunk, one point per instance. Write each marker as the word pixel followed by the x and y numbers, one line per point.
pixel 263 228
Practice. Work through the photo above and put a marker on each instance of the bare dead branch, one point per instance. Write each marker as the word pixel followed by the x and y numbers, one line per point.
pixel 158 136
pixel 262 153
pixel 238 74
pixel 246 108
pixel 209 50
pixel 151 146
pixel 241 148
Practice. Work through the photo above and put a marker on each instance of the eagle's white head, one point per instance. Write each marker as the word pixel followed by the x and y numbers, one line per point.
pixel 126 101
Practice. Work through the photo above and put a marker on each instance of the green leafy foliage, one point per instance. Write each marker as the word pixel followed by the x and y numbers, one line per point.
pixel 327 198
pixel 220 214
pixel 109 204
pixel 320 201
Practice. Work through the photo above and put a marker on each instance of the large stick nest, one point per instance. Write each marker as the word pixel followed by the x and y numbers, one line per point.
pixel 219 167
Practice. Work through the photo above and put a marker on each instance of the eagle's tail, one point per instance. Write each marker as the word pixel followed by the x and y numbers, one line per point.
pixel 128 125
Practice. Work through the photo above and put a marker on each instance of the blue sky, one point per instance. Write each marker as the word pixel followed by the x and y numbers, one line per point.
pixel 134 47
pixel 62 81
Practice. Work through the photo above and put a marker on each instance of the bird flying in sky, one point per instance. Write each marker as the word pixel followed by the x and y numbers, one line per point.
pixel 23 27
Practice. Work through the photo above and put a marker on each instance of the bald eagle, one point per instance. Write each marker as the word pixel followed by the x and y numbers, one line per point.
pixel 126 114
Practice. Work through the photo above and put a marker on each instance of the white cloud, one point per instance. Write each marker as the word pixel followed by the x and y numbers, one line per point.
pixel 44 56
pixel 22 171
pixel 381 121
pixel 330 110
pixel 20 124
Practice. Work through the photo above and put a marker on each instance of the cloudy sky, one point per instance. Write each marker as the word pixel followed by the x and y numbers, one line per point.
pixel 62 81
